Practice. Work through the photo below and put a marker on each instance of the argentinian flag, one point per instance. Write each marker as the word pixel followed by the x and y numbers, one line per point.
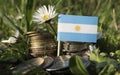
pixel 77 28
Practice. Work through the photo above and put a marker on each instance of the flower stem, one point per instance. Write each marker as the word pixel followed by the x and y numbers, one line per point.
pixel 52 28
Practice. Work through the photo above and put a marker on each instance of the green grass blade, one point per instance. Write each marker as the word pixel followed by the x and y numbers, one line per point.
pixel 29 12
pixel 13 24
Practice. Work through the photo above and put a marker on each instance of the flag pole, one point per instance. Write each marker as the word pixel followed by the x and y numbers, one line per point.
pixel 58 50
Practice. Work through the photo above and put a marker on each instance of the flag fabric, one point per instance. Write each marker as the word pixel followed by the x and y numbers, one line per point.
pixel 77 28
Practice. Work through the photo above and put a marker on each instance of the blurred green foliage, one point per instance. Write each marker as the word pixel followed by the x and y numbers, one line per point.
pixel 100 64
pixel 107 11
pixel 17 14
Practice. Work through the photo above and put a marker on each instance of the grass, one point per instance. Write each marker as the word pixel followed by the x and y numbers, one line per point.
pixel 107 11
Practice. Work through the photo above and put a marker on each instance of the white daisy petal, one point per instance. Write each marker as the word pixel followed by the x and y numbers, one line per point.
pixel 44 8
pixel 17 33
pixel 5 41
pixel 12 40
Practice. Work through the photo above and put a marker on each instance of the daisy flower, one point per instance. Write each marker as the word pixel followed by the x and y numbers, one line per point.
pixel 44 14
pixel 19 17
pixel 12 39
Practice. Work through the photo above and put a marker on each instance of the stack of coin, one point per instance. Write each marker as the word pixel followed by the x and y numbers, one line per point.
pixel 74 47
pixel 41 43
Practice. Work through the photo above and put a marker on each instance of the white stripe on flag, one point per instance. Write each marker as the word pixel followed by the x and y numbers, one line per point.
pixel 77 28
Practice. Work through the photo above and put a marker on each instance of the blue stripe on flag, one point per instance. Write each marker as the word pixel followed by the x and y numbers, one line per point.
pixel 77 37
pixel 91 20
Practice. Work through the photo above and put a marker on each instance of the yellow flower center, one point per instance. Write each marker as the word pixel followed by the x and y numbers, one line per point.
pixel 46 17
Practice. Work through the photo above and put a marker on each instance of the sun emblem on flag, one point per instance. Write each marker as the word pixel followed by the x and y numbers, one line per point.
pixel 77 28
